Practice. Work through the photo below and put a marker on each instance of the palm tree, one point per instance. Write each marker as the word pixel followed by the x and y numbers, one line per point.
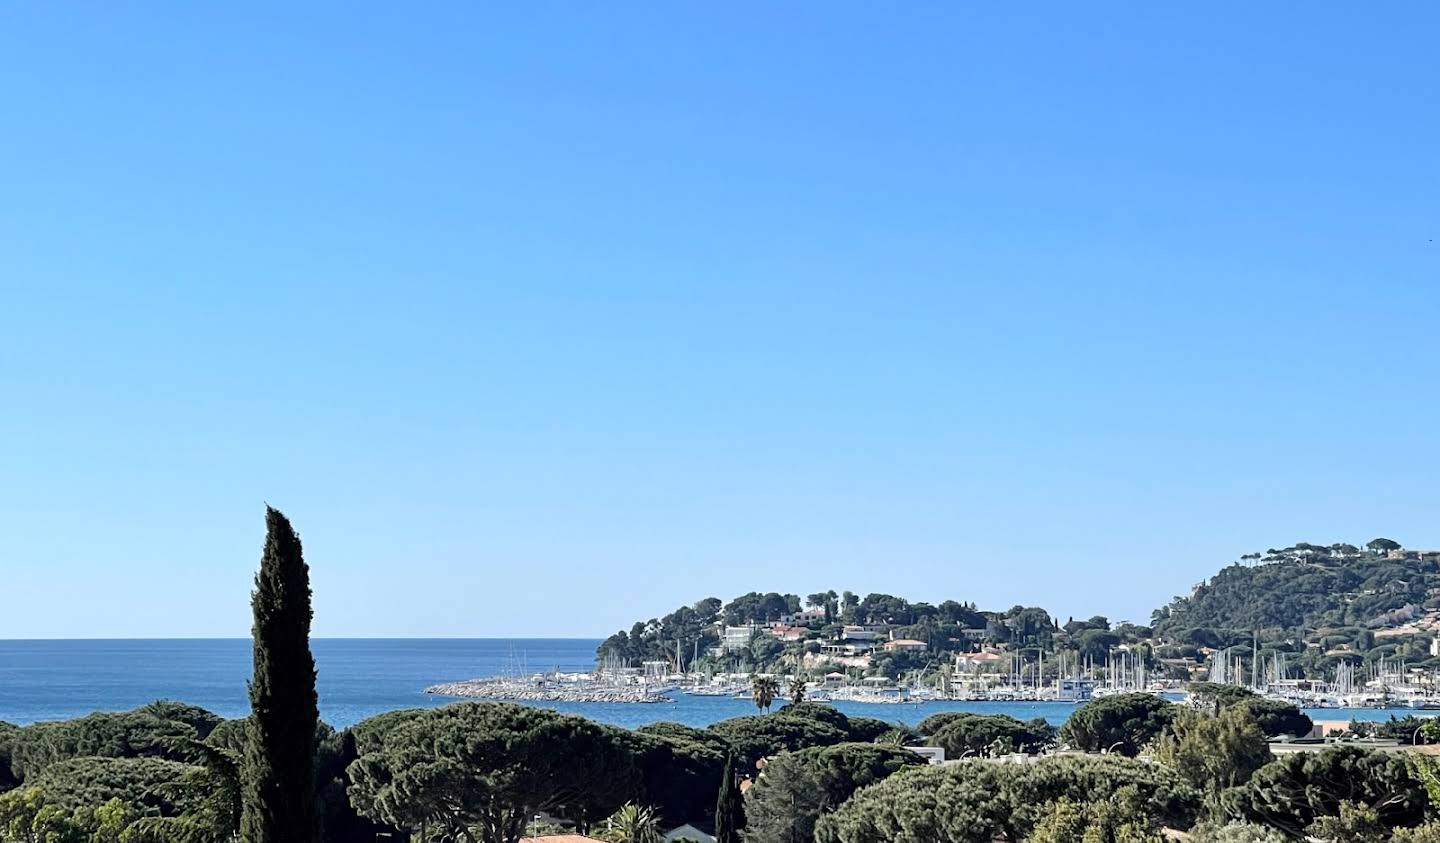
pixel 764 690
pixel 632 824
pixel 797 689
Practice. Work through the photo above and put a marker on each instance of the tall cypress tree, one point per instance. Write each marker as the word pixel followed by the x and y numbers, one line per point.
pixel 729 806
pixel 279 771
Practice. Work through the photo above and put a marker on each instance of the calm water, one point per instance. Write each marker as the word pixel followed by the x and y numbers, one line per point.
pixel 51 680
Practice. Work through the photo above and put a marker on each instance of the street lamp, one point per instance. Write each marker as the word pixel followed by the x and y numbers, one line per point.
pixel 1111 747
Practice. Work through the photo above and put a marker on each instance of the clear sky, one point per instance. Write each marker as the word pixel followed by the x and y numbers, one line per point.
pixel 541 318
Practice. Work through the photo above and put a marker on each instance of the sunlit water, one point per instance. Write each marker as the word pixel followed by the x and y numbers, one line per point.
pixel 51 680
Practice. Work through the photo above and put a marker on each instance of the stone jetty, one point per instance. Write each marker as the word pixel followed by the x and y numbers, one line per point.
pixel 550 690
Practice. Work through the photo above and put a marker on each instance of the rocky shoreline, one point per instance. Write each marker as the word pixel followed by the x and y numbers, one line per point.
pixel 510 690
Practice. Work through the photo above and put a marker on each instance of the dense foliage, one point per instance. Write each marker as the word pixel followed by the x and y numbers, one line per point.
pixel 797 788
pixel 1111 820
pixel 1295 790
pixel 482 770
pixel 729 806
pixel 991 734
pixel 278 774
pixel 1214 752
pixel 1326 596
pixel 686 637
pixel 978 801
pixel 149 731
pixel 1273 717
pixel 162 780
pixel 138 782
pixel 680 770
pixel 1124 723
pixel 757 736
pixel 8 776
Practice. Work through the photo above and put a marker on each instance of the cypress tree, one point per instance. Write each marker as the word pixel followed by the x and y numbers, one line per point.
pixel 278 776
pixel 729 806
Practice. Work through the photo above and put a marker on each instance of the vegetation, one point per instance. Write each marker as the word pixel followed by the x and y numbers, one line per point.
pixel 8 777
pixel 1111 820
pixel 729 806
pixel 1124 723
pixel 1214 752
pixel 278 774
pixel 1309 607
pixel 157 777
pixel 1297 790
pixel 991 735
pixel 480 771
pixel 979 801
pixel 149 731
pixel 764 689
pixel 632 824
pixel 797 788
pixel 689 637
pixel 1275 718
pixel 1317 604
pixel 477 772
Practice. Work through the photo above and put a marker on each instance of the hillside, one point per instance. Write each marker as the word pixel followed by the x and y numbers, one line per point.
pixel 1312 593
pixel 1309 606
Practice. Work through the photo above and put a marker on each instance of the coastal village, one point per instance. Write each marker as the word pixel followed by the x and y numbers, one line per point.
pixel 884 649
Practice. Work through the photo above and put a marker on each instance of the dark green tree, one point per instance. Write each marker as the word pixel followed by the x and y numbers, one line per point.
pixel 991 734
pixel 979 801
pixel 729 806
pixel 8 779
pixel 278 775
pixel 138 782
pixel 797 788
pixel 1123 723
pixel 480 771
pixel 1214 752
pixel 1293 791
pixel 757 736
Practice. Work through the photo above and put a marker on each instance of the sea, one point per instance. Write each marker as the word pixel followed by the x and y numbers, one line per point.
pixel 359 678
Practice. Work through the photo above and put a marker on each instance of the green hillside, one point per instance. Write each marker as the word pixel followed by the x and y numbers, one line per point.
pixel 1325 595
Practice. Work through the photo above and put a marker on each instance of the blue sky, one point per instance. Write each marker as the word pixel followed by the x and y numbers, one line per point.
pixel 537 320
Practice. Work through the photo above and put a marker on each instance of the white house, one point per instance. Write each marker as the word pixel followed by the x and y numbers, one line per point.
pixel 931 754
pixel 737 637
pixel 804 618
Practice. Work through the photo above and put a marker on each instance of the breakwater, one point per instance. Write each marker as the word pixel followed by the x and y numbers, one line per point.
pixel 557 689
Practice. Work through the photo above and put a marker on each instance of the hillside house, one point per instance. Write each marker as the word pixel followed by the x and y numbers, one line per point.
pixel 735 638
pixel 808 617
pixel 905 645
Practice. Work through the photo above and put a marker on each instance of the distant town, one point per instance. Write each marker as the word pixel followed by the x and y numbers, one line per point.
pixel 1323 626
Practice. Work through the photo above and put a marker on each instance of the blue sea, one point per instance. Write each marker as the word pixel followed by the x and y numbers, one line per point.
pixel 358 678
